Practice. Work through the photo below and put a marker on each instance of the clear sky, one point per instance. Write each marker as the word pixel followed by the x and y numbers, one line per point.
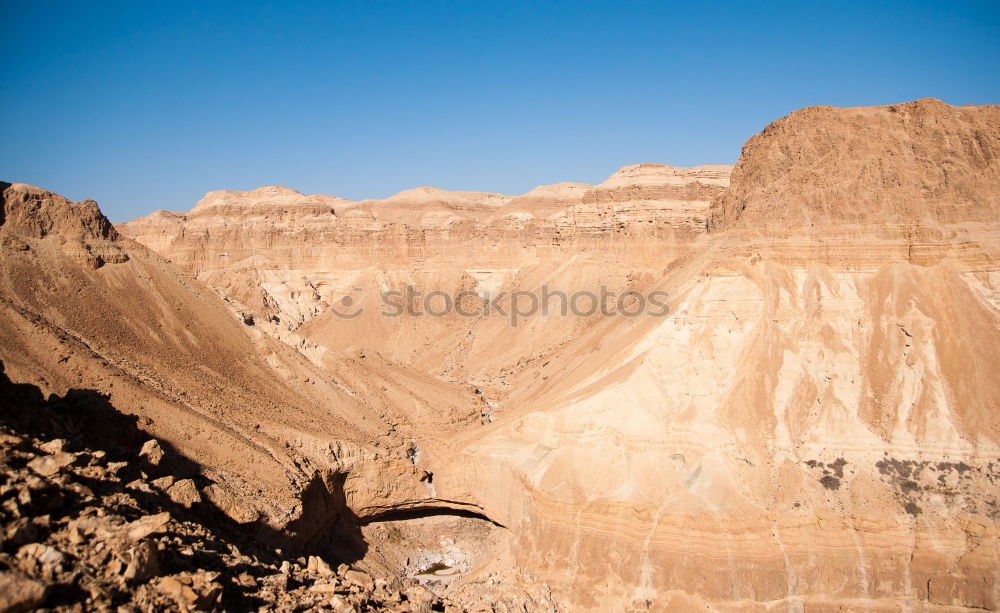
pixel 144 105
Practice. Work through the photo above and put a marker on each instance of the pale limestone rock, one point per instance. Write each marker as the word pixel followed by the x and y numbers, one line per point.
pixel 361 579
pixel 184 492
pixel 143 527
pixel 233 506
pixel 151 452
pixel 48 466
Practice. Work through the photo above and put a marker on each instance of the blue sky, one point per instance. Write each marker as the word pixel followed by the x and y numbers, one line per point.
pixel 147 105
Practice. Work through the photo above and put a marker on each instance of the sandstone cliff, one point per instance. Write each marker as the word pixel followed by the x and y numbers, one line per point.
pixel 919 162
pixel 288 257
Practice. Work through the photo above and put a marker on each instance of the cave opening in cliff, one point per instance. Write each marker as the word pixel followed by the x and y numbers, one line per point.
pixel 434 545
pixel 411 513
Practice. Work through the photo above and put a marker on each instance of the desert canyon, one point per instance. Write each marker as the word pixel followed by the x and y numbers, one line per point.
pixel 814 425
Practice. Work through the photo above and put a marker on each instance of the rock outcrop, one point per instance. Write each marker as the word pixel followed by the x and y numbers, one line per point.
pixel 923 162
pixel 31 212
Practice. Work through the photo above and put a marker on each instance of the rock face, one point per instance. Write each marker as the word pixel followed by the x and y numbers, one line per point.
pixel 80 228
pixel 920 162
pixel 311 240
pixel 31 212
pixel 811 426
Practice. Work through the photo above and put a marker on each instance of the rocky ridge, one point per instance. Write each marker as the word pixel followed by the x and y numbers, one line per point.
pixel 311 239
pixel 923 162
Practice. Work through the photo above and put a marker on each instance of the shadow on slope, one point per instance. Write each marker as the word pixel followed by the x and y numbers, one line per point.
pixel 87 420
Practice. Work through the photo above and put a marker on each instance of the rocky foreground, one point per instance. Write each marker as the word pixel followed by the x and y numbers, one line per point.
pixel 94 529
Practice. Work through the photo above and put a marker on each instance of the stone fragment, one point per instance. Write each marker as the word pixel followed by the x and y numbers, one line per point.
pixel 278 581
pixel 11 507
pixel 163 483
pixel 143 563
pixel 318 566
pixel 38 556
pixel 54 446
pixel 19 593
pixel 43 554
pixel 20 532
pixel 151 453
pixel 143 527
pixel 360 579
pixel 49 465
pixel 139 486
pixel 9 440
pixel 184 492
pixel 420 598
pixel 82 490
pixel 234 508
pixel 324 588
pixel 115 467
pixel 191 590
